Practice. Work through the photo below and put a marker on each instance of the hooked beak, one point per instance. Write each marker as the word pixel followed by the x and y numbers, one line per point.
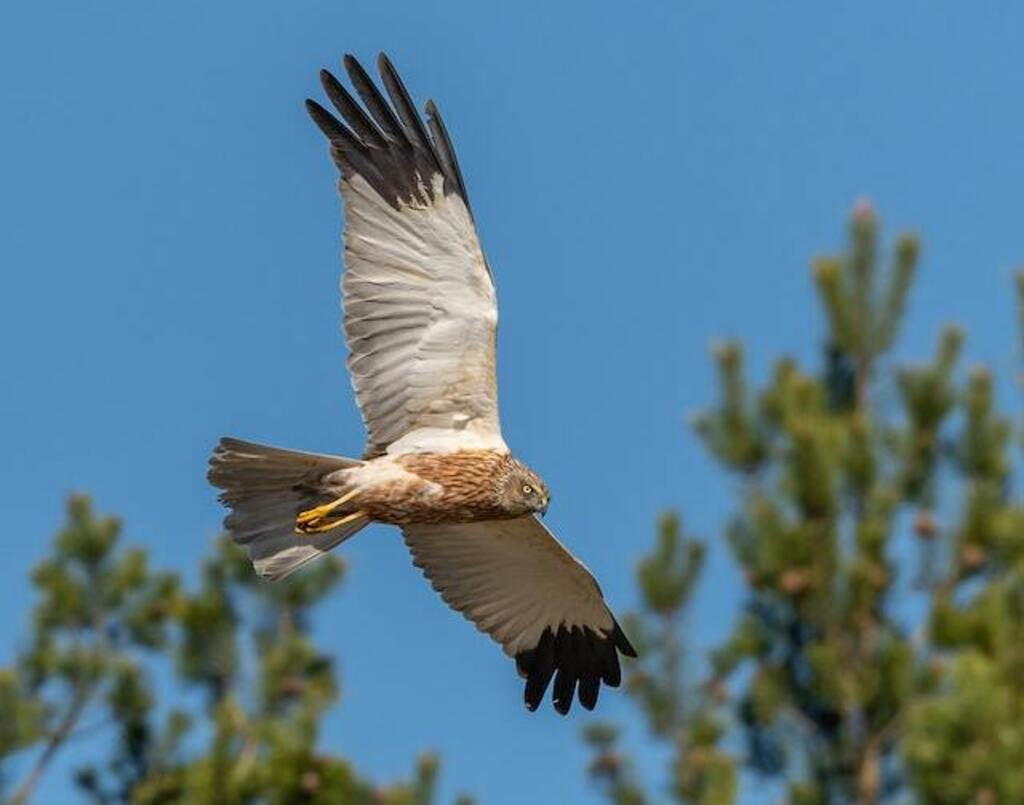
pixel 544 508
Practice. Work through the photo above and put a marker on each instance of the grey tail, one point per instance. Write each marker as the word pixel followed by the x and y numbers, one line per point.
pixel 265 488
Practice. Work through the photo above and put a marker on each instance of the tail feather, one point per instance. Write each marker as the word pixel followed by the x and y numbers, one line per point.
pixel 265 488
pixel 277 553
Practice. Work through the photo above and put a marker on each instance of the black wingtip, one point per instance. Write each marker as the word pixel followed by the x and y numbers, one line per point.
pixel 622 642
pixel 324 120
pixel 579 659
pixel 385 141
pixel 537 666
pixel 565 689
pixel 355 69
pixel 589 688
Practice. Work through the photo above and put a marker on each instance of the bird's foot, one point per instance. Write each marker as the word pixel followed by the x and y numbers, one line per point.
pixel 317 519
pixel 321 525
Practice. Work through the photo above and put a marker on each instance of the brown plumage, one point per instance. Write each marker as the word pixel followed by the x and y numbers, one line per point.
pixel 460 487
pixel 464 486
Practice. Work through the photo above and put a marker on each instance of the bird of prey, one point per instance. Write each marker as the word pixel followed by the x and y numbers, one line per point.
pixel 420 318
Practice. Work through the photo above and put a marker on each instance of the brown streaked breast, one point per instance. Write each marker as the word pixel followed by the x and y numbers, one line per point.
pixel 469 482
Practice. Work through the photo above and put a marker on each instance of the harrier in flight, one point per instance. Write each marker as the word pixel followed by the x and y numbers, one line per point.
pixel 420 318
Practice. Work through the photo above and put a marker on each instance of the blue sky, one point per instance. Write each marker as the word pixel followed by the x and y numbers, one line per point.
pixel 644 182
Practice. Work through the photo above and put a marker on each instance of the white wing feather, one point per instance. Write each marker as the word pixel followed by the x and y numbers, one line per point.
pixel 420 321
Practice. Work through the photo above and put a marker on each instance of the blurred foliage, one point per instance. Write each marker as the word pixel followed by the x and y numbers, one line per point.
pixel 103 624
pixel 879 653
pixel 677 715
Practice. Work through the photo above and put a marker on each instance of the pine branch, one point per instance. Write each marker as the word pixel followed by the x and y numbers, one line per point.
pixel 76 708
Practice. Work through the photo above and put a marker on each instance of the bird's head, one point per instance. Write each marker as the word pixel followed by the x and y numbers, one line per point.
pixel 523 492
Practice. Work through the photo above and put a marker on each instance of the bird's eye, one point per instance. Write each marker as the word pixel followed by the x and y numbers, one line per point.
pixel 527 489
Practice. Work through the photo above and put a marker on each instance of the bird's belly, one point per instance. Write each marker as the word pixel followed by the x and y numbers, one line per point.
pixel 413 499
pixel 429 488
pixel 428 506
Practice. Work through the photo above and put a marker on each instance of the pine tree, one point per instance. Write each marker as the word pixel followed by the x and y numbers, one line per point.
pixel 105 621
pixel 677 713
pixel 868 492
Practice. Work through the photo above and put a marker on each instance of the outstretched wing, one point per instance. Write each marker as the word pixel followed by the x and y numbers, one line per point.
pixel 518 584
pixel 420 308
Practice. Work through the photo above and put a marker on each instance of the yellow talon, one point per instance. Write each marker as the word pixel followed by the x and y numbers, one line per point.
pixel 316 521
pixel 327 525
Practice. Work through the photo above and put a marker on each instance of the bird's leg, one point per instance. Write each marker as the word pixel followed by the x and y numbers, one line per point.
pixel 329 525
pixel 316 521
